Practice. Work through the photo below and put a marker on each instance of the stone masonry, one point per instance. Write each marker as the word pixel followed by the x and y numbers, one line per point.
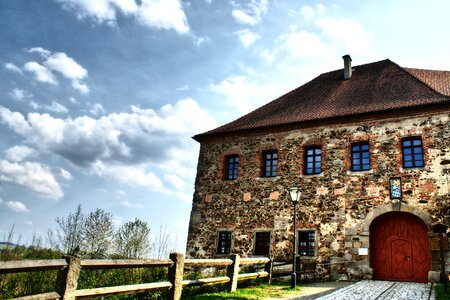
pixel 338 204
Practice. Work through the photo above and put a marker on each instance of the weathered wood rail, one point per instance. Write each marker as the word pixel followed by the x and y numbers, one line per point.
pixel 69 271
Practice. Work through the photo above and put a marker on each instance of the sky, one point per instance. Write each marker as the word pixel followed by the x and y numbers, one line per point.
pixel 99 99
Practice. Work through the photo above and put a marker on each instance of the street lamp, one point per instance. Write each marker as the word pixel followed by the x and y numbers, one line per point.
pixel 294 193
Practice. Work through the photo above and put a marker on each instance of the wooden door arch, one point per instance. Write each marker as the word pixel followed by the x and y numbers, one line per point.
pixel 399 247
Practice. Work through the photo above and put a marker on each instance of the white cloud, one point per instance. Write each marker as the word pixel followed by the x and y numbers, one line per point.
pixel 348 33
pixel 97 109
pixel 81 87
pixel 65 174
pixel 129 175
pixel 244 94
pixel 132 205
pixel 20 95
pixel 252 13
pixel 61 63
pixel 183 88
pixel 40 72
pixel 247 37
pixel 73 100
pixel 198 41
pixel 305 53
pixel 126 147
pixel 14 205
pixel 28 222
pixel 307 12
pixel 268 56
pixel 310 13
pixel 184 197
pixel 19 153
pixel 305 44
pixel 13 67
pixel 161 14
pixel 43 52
pixel 55 107
pixel 65 65
pixel 31 175
pixel 243 17
pixel 175 180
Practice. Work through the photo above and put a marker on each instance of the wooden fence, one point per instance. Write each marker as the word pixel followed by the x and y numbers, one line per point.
pixel 70 267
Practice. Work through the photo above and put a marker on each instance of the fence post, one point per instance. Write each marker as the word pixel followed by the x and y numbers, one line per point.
pixel 233 272
pixel 176 276
pixel 67 278
pixel 268 267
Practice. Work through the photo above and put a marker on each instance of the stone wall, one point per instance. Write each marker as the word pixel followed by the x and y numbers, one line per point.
pixel 338 204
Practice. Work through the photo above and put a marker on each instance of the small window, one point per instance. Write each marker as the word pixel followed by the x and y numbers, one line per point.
pixel 224 245
pixel 270 161
pixel 232 167
pixel 307 243
pixel 262 243
pixel 313 160
pixel 360 157
pixel 412 152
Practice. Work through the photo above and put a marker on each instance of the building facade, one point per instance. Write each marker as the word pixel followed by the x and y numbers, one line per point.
pixel 368 147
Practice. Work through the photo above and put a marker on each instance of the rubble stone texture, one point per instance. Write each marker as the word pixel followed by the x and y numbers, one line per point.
pixel 337 204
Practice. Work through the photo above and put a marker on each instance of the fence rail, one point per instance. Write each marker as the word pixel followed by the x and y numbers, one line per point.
pixel 69 271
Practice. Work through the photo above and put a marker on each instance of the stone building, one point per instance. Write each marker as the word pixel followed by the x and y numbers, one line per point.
pixel 343 138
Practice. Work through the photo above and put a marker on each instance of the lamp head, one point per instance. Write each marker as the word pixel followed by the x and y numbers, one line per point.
pixel 294 193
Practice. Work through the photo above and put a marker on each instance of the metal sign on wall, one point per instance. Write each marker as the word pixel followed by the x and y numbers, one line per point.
pixel 395 188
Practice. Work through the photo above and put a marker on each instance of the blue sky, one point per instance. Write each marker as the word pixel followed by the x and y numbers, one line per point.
pixel 99 99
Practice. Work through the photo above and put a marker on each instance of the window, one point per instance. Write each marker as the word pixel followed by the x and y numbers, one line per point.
pixel 412 152
pixel 224 245
pixel 313 160
pixel 360 157
pixel 262 243
pixel 307 243
pixel 232 167
pixel 270 163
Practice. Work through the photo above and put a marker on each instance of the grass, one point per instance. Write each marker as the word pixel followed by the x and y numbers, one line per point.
pixel 440 293
pixel 276 290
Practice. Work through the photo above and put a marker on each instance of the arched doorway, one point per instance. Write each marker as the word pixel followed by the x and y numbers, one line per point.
pixel 399 247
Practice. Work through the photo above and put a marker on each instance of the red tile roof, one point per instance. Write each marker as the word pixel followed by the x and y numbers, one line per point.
pixel 374 87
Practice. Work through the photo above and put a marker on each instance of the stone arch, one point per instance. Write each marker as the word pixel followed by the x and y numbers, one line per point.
pixel 422 214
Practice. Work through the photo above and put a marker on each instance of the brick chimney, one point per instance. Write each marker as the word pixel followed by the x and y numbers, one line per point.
pixel 347 66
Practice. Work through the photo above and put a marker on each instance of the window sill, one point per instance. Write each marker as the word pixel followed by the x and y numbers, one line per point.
pixel 360 173
pixel 402 169
pixel 231 180
pixel 313 175
pixel 268 178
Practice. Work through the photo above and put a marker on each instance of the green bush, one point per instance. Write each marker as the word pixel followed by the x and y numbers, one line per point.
pixel 440 292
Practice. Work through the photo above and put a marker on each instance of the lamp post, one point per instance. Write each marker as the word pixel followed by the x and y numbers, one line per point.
pixel 294 193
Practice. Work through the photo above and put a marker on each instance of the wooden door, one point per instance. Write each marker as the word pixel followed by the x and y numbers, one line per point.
pixel 399 247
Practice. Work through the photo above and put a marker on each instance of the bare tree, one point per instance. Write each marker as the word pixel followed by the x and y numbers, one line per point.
pixel 163 244
pixel 98 232
pixel 133 239
pixel 68 235
pixel 36 241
